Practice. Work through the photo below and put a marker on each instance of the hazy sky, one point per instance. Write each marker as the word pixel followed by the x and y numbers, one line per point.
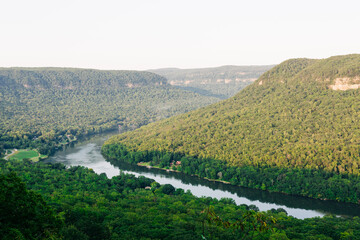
pixel 143 34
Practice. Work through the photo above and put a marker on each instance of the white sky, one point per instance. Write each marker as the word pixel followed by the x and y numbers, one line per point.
pixel 143 34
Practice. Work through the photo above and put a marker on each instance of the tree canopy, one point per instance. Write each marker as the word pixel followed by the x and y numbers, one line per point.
pixel 90 206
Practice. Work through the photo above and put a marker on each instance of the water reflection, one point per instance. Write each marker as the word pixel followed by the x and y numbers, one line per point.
pixel 87 153
pixel 294 205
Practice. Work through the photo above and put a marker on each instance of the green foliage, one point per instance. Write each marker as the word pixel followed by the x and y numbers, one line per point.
pixel 167 189
pixel 247 223
pixel 44 108
pixel 92 206
pixel 24 214
pixel 288 119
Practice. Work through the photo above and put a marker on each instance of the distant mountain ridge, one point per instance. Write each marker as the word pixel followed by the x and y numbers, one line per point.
pixel 221 82
pixel 71 78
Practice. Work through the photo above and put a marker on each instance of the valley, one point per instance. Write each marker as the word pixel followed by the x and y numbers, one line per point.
pixel 180 120
pixel 287 144
pixel 219 82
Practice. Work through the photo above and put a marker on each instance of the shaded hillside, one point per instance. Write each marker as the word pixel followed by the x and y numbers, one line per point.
pixel 47 103
pixel 290 118
pixel 220 82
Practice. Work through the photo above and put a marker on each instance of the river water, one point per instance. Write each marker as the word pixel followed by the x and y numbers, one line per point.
pixel 87 154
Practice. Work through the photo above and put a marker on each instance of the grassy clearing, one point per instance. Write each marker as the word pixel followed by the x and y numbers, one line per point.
pixel 144 164
pixel 33 155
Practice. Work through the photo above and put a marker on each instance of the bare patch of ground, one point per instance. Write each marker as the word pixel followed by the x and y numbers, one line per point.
pixel 345 83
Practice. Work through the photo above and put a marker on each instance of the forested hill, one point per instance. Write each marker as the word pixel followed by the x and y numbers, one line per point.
pixel 221 82
pixel 302 114
pixel 73 78
pixel 43 107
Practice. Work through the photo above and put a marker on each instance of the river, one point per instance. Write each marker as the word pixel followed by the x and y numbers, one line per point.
pixel 87 153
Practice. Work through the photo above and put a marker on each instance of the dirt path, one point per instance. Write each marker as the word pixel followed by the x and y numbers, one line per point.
pixel 9 155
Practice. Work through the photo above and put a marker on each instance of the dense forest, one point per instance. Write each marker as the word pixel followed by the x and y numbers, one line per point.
pixel 49 201
pixel 42 107
pixel 220 82
pixel 296 125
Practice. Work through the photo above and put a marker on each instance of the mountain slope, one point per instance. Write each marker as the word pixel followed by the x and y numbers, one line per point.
pixel 220 82
pixel 291 117
pixel 47 103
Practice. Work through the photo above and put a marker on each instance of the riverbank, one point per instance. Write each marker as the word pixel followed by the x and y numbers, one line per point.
pixel 88 154
pixel 147 165
pixel 167 169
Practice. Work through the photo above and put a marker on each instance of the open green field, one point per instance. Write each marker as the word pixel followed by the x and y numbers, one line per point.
pixel 30 154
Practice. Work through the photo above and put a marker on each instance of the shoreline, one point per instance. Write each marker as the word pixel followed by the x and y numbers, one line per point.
pixel 147 165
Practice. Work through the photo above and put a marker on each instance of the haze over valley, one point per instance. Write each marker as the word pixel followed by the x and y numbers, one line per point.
pixel 220 82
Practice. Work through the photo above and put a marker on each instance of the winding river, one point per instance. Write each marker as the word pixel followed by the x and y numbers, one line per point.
pixel 87 154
